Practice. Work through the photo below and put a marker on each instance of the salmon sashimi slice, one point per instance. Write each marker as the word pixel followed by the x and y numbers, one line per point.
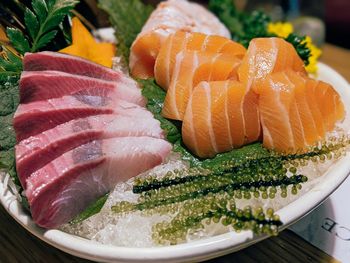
pixel 185 75
pixel 223 68
pixel 268 55
pixel 179 41
pixel 296 111
pixel 168 17
pixel 217 117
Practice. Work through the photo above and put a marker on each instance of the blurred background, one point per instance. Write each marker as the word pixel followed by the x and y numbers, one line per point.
pixel 325 20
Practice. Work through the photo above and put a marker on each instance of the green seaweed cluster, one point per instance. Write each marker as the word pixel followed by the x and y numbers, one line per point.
pixel 198 196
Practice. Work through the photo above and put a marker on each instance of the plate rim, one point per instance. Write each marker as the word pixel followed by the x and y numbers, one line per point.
pixel 196 250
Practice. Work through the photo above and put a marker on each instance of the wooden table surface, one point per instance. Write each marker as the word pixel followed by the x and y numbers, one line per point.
pixel 18 245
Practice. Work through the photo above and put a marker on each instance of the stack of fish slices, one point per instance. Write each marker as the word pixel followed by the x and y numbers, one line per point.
pixel 81 128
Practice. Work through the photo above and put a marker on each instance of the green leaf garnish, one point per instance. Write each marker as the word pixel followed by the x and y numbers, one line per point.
pixel 40 9
pixel 127 18
pixel 30 19
pixel 56 11
pixel 91 210
pixel 18 40
pixel 40 24
pixel 244 27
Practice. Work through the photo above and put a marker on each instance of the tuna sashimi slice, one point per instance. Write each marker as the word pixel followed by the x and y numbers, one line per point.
pixel 42 85
pixel 188 41
pixel 36 151
pixel 48 60
pixel 66 186
pixel 35 117
pixel 220 116
pixel 296 111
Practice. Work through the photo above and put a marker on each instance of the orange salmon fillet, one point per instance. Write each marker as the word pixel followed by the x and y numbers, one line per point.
pixel 168 17
pixel 266 56
pixel 190 68
pixel 296 111
pixel 220 116
pixel 180 41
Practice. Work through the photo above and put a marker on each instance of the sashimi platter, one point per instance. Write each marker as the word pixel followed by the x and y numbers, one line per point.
pixel 182 132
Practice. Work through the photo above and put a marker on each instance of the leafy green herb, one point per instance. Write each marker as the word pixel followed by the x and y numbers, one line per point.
pixel 300 46
pixel 127 18
pixel 41 23
pixel 10 69
pixel 7 134
pixel 91 210
pixel 244 27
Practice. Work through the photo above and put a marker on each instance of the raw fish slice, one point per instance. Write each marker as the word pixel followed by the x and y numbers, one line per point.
pixel 314 108
pixel 181 83
pixel 66 186
pixel 42 85
pixel 287 106
pixel 185 41
pixel 217 117
pixel 268 55
pixel 48 60
pixel 220 69
pixel 308 124
pixel 169 17
pixel 197 125
pixel 185 75
pixel 35 117
pixel 36 151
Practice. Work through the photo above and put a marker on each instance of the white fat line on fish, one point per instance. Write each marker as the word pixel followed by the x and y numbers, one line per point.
pixel 227 115
pixel 284 113
pixel 189 112
pixel 310 111
pixel 275 53
pixel 172 88
pixel 211 130
pixel 205 43
pixel 223 45
pixel 301 126
pixel 297 109
pixel 267 134
pixel 212 61
pixel 167 64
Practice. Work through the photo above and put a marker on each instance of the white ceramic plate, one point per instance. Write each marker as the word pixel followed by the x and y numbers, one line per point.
pixel 201 249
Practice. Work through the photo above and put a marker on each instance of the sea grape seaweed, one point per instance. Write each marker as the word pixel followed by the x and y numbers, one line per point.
pixel 198 195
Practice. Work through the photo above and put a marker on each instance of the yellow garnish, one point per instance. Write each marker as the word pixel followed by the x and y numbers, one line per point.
pixel 84 45
pixel 280 29
pixel 315 54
